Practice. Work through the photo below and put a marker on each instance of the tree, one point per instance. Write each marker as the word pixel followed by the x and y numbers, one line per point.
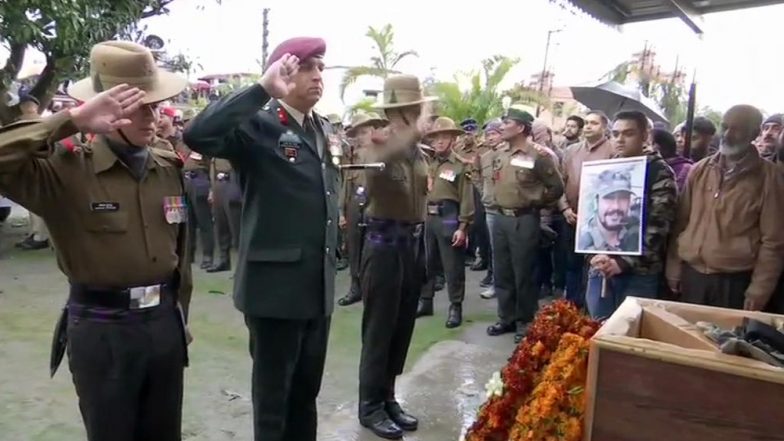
pixel 382 64
pixel 482 99
pixel 64 31
pixel 365 105
pixel 528 95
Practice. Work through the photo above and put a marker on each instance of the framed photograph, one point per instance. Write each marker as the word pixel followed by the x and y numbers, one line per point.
pixel 610 215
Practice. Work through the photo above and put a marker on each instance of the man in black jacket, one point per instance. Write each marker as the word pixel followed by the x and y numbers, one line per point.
pixel 286 157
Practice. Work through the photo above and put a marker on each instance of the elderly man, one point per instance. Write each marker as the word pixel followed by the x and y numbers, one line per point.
pixel 727 247
pixel 286 156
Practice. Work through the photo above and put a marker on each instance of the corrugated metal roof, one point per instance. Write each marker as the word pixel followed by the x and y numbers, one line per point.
pixel 619 12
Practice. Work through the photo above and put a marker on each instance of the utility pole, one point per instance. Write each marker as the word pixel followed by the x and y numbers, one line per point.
pixel 265 38
pixel 544 67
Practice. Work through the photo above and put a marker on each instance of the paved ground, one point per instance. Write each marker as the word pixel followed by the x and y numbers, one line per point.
pixel 444 384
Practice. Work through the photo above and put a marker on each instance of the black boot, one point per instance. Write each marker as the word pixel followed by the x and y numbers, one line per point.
pixel 455 316
pixel 374 416
pixel 224 264
pixel 206 263
pixel 404 420
pixel 479 265
pixel 353 295
pixel 500 328
pixel 521 329
pixel 425 308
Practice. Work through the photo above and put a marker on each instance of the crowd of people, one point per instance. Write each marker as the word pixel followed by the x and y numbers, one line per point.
pixel 127 186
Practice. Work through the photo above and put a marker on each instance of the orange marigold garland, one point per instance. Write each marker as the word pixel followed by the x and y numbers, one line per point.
pixel 525 366
pixel 555 408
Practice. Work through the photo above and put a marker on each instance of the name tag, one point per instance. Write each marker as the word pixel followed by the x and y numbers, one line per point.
pixel 522 162
pixel 104 207
pixel 175 210
pixel 196 156
pixel 448 175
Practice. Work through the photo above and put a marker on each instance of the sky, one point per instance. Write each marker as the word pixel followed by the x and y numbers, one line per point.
pixel 735 61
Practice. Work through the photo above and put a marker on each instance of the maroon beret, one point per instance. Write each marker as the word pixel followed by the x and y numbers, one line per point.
pixel 302 47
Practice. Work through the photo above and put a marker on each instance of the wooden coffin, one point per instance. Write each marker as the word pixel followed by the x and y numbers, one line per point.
pixel 653 376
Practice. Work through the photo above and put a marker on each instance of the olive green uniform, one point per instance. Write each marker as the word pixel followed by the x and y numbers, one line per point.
pixel 120 241
pixel 525 180
pixel 226 208
pixel 450 206
pixel 392 267
pixel 353 202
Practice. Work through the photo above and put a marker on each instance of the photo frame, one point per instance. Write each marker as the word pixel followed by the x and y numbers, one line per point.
pixel 611 212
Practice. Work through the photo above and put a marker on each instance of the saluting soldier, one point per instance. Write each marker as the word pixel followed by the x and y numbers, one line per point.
pixel 226 200
pixel 197 186
pixel 286 157
pixel 450 211
pixel 526 179
pixel 354 198
pixel 392 257
pixel 116 213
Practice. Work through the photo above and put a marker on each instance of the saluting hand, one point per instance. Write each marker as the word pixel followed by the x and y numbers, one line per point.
pixel 278 80
pixel 108 111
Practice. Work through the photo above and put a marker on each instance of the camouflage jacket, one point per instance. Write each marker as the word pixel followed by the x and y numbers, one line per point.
pixel 660 206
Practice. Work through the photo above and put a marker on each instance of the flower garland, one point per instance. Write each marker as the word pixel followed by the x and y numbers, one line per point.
pixel 520 375
pixel 555 408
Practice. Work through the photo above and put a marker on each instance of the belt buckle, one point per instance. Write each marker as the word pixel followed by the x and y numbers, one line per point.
pixel 433 210
pixel 508 212
pixel 222 176
pixel 143 297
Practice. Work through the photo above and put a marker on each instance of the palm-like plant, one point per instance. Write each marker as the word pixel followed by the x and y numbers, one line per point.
pixel 381 65
pixel 482 99
pixel 365 105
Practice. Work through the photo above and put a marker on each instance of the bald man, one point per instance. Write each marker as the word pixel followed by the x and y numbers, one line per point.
pixel 727 247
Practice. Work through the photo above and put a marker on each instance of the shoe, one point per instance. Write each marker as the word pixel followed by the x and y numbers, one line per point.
pixel 342 264
pixel 206 264
pixel 222 265
pixel 455 316
pixel 469 261
pixel 521 329
pixel 33 244
pixel 439 283
pixel 479 265
pixel 380 423
pixel 350 298
pixel 487 282
pixel 27 241
pixel 425 308
pixel 399 416
pixel 500 328
pixel 489 293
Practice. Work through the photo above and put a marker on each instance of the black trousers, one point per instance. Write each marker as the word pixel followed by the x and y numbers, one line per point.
pixel 354 241
pixel 481 232
pixel 722 290
pixel 226 212
pixel 560 251
pixel 288 364
pixel 200 213
pixel 128 373
pixel 438 245
pixel 515 250
pixel 392 276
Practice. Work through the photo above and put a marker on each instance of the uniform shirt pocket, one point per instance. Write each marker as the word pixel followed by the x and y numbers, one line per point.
pixel 109 222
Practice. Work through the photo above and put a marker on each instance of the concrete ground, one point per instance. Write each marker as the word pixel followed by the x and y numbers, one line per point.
pixel 444 383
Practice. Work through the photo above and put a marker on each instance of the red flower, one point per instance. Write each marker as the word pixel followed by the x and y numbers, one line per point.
pixel 283 117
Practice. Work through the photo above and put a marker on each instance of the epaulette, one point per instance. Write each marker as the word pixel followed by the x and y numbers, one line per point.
pixel 168 155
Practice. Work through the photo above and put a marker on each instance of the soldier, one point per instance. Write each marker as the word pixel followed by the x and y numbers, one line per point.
pixel 526 179
pixel 611 228
pixel 285 279
pixel 393 258
pixel 116 215
pixel 226 201
pixel 354 198
pixel 450 211
pixel 197 185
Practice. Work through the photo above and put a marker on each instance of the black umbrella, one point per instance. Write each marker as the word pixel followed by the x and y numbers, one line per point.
pixel 613 97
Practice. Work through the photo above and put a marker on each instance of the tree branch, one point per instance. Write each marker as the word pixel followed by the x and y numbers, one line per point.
pixel 13 65
pixel 158 9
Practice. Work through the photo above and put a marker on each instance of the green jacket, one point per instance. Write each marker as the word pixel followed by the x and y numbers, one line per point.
pixel 288 236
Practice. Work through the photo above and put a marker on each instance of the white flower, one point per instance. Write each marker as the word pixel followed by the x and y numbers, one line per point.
pixel 495 386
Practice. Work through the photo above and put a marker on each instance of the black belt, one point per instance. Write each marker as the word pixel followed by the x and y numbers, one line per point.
pixel 133 298
pixel 517 212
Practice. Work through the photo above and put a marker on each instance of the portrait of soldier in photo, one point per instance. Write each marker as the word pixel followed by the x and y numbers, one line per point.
pixel 610 218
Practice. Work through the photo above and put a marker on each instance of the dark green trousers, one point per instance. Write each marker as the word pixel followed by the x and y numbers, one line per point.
pixel 354 241
pixel 288 363
pixel 226 212
pixel 197 188
pixel 515 250
pixel 439 230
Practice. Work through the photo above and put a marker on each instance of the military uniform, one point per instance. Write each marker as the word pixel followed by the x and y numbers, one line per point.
pixel 226 211
pixel 197 186
pixel 450 207
pixel 525 180
pixel 285 279
pixel 392 266
pixel 116 216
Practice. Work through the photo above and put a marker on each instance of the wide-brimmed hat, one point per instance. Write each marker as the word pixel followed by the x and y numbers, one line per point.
pixel 445 125
pixel 123 62
pixel 365 119
pixel 403 91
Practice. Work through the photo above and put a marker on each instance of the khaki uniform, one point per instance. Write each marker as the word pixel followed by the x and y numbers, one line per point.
pixel 450 206
pixel 525 180
pixel 226 209
pixel 353 202
pixel 392 265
